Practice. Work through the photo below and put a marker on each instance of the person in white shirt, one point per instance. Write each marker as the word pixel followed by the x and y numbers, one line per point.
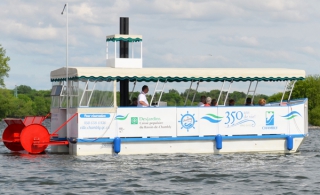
pixel 142 99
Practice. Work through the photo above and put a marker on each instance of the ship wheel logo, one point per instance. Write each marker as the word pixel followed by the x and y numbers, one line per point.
pixel 187 121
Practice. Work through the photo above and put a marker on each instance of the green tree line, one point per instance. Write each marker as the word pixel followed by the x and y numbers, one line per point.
pixel 31 102
pixel 310 88
pixel 174 98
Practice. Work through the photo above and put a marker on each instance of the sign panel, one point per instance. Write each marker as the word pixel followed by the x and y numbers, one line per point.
pixel 146 122
pixel 240 120
pixel 193 121
pixel 246 120
pixel 262 120
pixel 188 121
pixel 96 125
pixel 209 119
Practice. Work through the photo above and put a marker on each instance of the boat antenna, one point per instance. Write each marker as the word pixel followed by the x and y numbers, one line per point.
pixel 63 8
pixel 67 81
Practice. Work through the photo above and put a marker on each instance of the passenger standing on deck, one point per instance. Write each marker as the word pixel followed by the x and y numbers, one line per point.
pixel 262 102
pixel 134 102
pixel 142 99
pixel 248 102
pixel 231 102
pixel 202 101
pixel 208 101
pixel 214 102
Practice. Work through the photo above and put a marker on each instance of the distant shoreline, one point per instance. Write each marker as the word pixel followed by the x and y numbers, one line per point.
pixel 311 127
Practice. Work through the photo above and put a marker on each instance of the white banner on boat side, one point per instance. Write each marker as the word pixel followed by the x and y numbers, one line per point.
pixel 146 122
pixel 240 120
pixel 96 125
pixel 193 121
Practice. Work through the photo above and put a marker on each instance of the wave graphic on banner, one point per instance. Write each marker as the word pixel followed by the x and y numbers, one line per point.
pixel 121 118
pixel 244 121
pixel 212 118
pixel 291 115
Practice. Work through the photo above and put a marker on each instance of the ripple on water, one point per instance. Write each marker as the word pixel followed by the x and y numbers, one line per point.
pixel 22 173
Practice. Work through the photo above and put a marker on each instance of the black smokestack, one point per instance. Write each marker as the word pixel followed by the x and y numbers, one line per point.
pixel 124 30
pixel 124 53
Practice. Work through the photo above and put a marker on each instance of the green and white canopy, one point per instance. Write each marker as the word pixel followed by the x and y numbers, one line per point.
pixel 178 74
pixel 128 38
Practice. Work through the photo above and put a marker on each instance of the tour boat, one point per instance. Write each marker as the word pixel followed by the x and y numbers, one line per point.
pixel 86 97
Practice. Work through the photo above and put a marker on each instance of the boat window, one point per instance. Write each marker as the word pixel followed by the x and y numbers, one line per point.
pixel 56 94
pixel 56 90
pixel 95 93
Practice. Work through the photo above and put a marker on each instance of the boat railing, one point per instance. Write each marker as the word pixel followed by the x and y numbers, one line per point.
pixel 164 104
pixel 285 103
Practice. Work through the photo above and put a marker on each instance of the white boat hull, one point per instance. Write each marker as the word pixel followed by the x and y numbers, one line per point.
pixel 189 147
pixel 268 129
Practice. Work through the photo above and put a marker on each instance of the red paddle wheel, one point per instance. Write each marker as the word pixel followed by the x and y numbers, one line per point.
pixel 29 134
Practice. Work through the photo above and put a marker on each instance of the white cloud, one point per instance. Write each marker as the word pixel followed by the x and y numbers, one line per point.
pixel 240 40
pixel 277 10
pixel 195 10
pixel 82 11
pixel 172 59
pixel 246 33
pixel 309 50
pixel 34 33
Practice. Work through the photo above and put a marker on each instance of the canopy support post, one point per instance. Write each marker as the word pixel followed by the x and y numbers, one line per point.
pixel 224 90
pixel 84 92
pixel 225 100
pixel 107 51
pixel 134 86
pixel 185 102
pixel 287 90
pixel 62 94
pixel 253 91
pixel 156 90
pixel 91 92
pixel 294 82
pixel 115 93
pixel 194 95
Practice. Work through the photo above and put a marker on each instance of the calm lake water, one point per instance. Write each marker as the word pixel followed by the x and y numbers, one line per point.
pixel 163 174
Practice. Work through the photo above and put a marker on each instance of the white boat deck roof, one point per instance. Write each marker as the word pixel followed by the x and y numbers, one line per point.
pixel 178 74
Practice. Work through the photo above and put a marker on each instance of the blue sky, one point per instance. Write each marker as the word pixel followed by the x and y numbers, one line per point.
pixel 213 33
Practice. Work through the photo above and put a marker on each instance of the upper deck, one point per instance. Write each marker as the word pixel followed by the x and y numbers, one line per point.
pixel 178 74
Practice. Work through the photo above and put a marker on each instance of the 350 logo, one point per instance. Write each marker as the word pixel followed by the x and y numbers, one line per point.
pixel 233 116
